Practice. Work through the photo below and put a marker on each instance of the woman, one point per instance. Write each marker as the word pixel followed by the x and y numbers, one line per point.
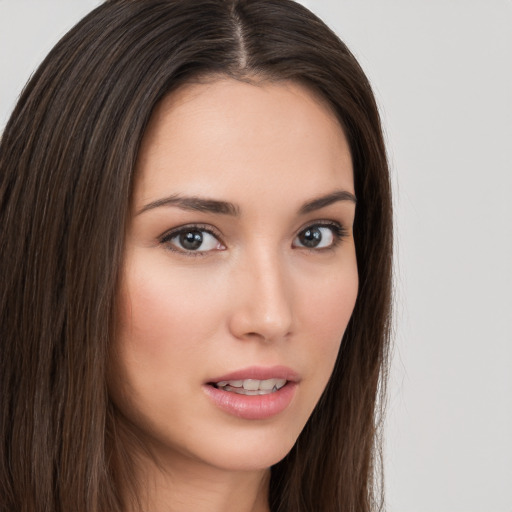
pixel 194 312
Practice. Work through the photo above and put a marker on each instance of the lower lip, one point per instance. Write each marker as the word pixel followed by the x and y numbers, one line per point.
pixel 252 407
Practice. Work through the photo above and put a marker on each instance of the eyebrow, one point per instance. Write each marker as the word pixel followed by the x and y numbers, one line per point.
pixel 200 204
pixel 194 203
pixel 323 201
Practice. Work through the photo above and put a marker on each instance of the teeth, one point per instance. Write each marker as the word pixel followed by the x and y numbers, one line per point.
pixel 268 384
pixel 232 383
pixel 252 386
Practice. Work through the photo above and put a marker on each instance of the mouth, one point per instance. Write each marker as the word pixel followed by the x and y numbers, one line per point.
pixel 250 387
pixel 254 393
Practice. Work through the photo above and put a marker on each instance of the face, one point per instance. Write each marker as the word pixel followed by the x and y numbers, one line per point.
pixel 239 275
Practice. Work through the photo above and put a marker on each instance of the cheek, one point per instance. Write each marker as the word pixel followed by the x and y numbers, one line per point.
pixel 163 311
pixel 323 316
pixel 164 318
pixel 160 330
pixel 326 307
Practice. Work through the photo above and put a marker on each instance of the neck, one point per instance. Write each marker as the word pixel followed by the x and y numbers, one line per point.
pixel 177 483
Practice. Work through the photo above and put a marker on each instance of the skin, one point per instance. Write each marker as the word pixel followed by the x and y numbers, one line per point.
pixel 254 296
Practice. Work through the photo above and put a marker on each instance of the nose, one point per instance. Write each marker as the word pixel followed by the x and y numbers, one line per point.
pixel 262 299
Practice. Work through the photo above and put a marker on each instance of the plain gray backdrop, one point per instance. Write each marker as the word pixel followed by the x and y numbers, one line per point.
pixel 442 74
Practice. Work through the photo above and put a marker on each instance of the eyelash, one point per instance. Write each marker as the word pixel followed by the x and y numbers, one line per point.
pixel 166 238
pixel 339 232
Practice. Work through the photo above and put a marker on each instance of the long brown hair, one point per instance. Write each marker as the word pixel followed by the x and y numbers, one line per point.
pixel 67 159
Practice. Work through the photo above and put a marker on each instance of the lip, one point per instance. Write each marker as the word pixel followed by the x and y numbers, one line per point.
pixel 254 407
pixel 259 373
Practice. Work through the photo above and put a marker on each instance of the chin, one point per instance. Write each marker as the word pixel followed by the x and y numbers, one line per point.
pixel 253 448
pixel 252 457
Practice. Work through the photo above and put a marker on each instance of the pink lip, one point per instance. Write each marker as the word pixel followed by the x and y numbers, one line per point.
pixel 260 373
pixel 258 407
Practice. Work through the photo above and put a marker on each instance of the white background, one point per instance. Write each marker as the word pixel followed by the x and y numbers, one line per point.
pixel 442 73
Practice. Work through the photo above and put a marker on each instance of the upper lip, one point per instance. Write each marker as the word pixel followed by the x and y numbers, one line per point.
pixel 259 373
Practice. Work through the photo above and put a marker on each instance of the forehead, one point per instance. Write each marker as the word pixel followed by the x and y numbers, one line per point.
pixel 233 138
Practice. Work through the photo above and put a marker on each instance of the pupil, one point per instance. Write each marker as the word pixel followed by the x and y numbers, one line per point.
pixel 311 237
pixel 191 240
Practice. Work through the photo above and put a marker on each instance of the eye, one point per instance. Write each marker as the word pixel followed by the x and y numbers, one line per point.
pixel 192 239
pixel 320 236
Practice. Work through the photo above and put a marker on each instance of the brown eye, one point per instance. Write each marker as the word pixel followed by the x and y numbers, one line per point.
pixel 310 237
pixel 317 237
pixel 192 239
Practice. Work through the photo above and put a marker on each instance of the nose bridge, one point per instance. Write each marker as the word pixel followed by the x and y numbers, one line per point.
pixel 265 297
